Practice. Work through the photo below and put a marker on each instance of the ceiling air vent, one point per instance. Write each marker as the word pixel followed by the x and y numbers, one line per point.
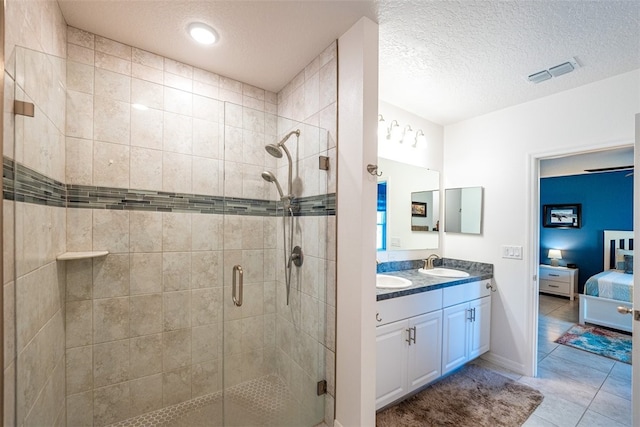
pixel 555 71
pixel 539 77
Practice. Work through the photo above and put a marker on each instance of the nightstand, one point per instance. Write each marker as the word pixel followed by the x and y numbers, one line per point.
pixel 558 280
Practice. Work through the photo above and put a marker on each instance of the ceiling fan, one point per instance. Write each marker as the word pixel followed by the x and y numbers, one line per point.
pixel 613 168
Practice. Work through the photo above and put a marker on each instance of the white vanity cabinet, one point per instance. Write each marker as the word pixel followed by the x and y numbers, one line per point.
pixel 408 351
pixel 421 337
pixel 466 324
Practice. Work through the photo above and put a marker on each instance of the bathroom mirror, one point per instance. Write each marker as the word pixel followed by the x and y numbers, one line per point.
pixel 463 210
pixel 408 206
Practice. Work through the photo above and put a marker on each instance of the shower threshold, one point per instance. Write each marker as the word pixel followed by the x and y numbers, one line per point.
pixel 264 401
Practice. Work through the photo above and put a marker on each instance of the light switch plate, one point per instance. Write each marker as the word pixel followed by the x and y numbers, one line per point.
pixel 511 252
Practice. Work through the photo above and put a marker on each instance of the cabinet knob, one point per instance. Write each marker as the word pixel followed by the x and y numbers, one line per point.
pixel 378 318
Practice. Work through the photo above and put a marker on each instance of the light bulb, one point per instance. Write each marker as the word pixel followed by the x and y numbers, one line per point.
pixel 202 33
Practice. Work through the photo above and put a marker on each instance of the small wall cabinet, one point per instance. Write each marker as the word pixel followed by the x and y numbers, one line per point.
pixel 416 340
pixel 559 281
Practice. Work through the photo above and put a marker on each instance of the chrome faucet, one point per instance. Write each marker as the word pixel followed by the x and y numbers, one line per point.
pixel 428 263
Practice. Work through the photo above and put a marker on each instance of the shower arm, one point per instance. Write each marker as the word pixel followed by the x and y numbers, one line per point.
pixel 289 182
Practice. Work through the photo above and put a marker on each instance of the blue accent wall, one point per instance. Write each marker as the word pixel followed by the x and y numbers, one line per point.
pixel 607 204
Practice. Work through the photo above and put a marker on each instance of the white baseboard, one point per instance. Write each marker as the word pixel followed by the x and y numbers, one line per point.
pixel 509 364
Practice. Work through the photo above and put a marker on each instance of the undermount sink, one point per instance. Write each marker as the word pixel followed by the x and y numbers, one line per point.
pixel 385 281
pixel 444 272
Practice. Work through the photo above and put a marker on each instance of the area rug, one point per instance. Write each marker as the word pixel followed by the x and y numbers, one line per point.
pixel 471 397
pixel 604 342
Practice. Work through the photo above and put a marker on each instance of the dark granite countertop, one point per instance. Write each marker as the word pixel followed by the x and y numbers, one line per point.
pixel 424 282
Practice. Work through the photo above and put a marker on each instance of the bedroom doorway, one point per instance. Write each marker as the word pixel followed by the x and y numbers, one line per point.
pixel 552 312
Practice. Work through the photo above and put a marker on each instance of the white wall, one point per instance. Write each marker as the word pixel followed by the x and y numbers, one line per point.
pixel 356 224
pixel 495 151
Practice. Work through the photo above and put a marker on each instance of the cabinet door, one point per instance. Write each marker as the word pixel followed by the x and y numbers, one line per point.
pixel 391 363
pixel 454 336
pixel 425 354
pixel 480 328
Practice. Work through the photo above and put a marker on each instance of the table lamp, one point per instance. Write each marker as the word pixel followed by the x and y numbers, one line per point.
pixel 555 255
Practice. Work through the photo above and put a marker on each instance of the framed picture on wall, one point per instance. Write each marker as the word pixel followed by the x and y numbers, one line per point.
pixel 562 216
pixel 418 209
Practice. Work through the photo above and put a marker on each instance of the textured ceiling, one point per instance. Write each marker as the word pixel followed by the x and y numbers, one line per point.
pixel 451 60
pixel 442 60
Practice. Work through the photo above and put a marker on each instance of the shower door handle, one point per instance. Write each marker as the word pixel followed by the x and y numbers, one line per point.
pixel 236 294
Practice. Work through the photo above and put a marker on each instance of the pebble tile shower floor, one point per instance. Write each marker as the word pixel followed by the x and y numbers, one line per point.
pixel 264 401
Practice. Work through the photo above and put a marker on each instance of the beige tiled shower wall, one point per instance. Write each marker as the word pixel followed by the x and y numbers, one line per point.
pixel 144 324
pixel 34 234
pixel 306 328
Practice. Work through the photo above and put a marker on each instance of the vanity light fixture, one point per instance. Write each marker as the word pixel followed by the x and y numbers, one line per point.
pixel 382 127
pixel 202 33
pixel 393 133
pixel 420 138
pixel 406 135
pixel 554 255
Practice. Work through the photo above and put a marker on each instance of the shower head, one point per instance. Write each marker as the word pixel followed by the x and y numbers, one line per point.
pixel 270 177
pixel 276 149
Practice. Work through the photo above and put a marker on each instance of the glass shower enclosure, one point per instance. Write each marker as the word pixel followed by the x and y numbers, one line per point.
pixel 153 330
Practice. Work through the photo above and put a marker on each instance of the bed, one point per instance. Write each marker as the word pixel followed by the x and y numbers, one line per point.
pixel 611 288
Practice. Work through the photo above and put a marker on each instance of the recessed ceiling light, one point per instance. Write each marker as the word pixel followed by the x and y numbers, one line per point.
pixel 202 33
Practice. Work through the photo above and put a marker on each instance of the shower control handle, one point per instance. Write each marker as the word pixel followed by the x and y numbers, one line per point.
pixel 237 286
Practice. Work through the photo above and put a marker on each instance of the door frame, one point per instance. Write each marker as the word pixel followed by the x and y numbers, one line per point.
pixel 534 216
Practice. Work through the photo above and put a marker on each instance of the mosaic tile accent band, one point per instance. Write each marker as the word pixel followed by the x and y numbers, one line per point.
pixel 23 184
pixel 31 186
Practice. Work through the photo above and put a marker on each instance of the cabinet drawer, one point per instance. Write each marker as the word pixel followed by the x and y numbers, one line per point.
pixel 555 275
pixel 391 310
pixel 555 287
pixel 465 292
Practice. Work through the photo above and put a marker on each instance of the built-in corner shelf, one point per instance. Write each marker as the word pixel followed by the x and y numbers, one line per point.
pixel 68 256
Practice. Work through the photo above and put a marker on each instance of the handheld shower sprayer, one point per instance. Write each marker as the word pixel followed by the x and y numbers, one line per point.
pixel 270 177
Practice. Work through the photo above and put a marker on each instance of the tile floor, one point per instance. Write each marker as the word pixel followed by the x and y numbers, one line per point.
pixel 580 389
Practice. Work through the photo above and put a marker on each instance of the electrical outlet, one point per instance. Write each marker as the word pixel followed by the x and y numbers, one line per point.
pixel 511 252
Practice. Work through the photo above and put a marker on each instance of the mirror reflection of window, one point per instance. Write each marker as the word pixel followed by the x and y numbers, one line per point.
pixel 381 222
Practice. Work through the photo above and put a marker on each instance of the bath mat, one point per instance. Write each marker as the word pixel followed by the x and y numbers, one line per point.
pixel 471 397
pixel 604 342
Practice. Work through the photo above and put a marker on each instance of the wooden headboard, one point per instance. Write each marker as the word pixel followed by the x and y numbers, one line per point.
pixel 615 239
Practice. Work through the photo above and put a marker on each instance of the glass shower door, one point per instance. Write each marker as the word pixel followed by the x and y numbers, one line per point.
pixel 273 351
